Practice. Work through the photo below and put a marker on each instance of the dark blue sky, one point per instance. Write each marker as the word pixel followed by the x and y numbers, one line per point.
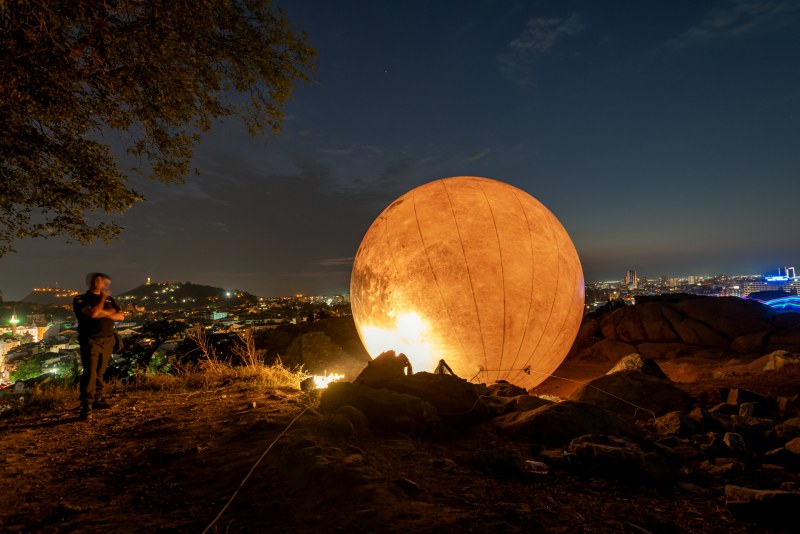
pixel 664 135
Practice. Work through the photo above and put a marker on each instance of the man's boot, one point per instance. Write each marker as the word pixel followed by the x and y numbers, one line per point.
pixel 101 404
pixel 86 410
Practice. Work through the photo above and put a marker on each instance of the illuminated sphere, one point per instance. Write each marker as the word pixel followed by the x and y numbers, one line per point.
pixel 473 271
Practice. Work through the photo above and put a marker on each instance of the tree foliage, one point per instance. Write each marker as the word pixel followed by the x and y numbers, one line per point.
pixel 140 348
pixel 77 75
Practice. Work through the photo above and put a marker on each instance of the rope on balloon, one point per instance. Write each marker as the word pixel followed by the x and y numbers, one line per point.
pixel 528 370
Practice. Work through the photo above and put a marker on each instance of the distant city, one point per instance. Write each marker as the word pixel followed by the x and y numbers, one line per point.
pixel 780 289
pixel 40 328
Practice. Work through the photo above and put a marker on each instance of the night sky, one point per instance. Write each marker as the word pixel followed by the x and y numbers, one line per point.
pixel 664 135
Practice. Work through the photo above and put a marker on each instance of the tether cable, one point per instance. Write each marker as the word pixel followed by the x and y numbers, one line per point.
pixel 235 493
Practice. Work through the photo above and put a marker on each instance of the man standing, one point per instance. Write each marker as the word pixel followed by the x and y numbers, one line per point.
pixel 96 311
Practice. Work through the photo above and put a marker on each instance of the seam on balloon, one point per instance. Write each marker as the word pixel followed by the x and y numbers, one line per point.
pixel 469 275
pixel 533 277
pixel 435 279
pixel 553 302
pixel 502 277
pixel 567 318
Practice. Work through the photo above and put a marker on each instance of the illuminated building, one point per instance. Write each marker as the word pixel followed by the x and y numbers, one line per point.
pixel 630 279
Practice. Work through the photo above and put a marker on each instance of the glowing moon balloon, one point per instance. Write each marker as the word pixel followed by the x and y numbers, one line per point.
pixel 472 271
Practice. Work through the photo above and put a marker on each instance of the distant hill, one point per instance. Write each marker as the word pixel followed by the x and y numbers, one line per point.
pixel 183 295
pixel 50 296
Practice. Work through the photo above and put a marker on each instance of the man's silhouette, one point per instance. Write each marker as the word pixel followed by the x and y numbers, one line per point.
pixel 96 311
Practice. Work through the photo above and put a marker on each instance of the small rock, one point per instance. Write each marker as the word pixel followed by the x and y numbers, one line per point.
pixel 772 469
pixel 654 466
pixel 524 403
pixel 738 396
pixel 788 430
pixel 793 446
pixel 724 408
pixel 539 468
pixel 353 459
pixel 503 388
pixel 735 442
pixel 711 444
pixel 341 426
pixel 252 405
pixel 309 384
pixel 721 468
pixel 408 486
pixel 677 423
pixel 746 409
pixel 501 461
pixel 445 464
pixel 783 457
pixel 787 405
pixel 554 456
pixel 355 416
pixel 710 421
pixel 779 359
pixel 692 488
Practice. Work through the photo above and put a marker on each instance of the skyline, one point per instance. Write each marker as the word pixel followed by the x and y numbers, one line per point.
pixel 620 280
pixel 663 137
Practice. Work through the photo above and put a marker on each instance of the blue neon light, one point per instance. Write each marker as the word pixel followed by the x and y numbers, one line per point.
pixel 791 303
pixel 776 278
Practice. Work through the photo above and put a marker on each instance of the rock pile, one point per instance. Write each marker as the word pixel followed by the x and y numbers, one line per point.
pixel 632 424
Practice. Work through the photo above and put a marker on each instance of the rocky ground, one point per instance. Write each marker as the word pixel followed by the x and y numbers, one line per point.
pixel 163 462
pixel 635 450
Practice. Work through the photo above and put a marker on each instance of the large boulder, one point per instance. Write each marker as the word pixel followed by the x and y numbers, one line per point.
pixel 319 355
pixel 557 424
pixel 386 410
pixel 750 343
pixel 503 388
pixel 729 316
pixel 606 350
pixel 787 338
pixel 664 351
pixel 635 362
pixel 383 369
pixel 635 394
pixel 659 322
pixel 636 324
pixel 614 457
pixel 455 399
pixel 672 326
pixel 694 332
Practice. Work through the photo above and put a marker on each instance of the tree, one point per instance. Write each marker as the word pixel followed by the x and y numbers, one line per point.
pixel 151 75
pixel 28 368
pixel 140 348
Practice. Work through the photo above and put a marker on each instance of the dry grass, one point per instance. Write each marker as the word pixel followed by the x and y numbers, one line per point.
pixel 250 377
pixel 210 373
pixel 49 397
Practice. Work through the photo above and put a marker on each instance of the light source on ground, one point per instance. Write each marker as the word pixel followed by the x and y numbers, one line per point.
pixel 473 271
pixel 320 381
